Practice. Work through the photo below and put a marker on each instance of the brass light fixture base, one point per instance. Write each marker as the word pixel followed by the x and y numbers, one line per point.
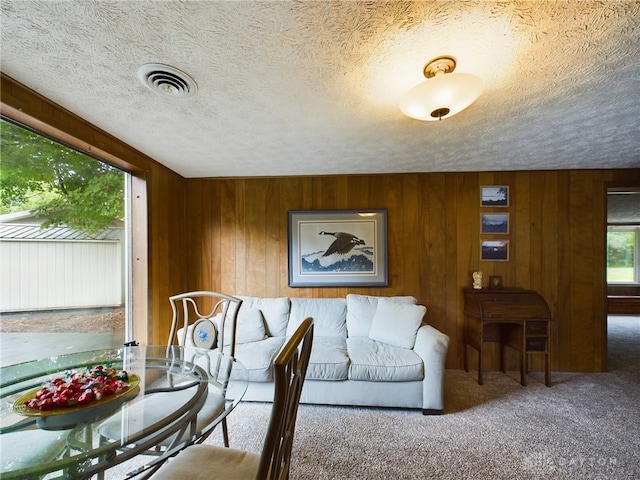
pixel 439 65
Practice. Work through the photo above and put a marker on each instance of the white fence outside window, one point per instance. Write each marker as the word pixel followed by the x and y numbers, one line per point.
pixel 59 268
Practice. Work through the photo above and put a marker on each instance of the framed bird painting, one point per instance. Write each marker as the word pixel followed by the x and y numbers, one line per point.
pixel 338 248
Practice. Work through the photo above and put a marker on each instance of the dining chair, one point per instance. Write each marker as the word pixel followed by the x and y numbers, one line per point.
pixel 200 462
pixel 195 324
pixel 201 319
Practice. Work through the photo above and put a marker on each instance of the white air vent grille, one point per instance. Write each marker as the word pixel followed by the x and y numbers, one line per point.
pixel 166 80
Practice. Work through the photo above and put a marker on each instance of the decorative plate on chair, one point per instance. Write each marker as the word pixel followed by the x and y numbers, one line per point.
pixel 204 333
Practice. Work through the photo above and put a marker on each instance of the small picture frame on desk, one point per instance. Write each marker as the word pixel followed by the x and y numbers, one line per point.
pixel 495 282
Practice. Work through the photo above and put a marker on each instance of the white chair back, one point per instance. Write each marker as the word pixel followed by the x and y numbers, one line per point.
pixel 192 307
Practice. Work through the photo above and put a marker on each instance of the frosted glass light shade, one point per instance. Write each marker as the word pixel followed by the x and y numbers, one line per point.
pixel 452 91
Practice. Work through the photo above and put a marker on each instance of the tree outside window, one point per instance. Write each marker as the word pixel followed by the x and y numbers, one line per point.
pixel 57 183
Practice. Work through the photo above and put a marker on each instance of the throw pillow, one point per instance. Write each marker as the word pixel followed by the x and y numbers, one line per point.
pixel 396 323
pixel 362 308
pixel 275 312
pixel 360 312
pixel 249 327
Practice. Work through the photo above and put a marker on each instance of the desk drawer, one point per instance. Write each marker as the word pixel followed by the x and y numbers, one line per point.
pixel 536 344
pixel 536 328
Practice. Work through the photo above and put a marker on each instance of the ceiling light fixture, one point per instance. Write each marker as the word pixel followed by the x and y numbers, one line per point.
pixel 442 94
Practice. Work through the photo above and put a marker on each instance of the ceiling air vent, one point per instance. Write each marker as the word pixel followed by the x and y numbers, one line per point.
pixel 166 80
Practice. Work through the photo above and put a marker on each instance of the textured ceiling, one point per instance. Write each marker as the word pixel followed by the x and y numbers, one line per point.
pixel 304 88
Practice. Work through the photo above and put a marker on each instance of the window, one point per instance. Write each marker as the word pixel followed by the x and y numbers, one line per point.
pixel 623 236
pixel 63 275
pixel 622 254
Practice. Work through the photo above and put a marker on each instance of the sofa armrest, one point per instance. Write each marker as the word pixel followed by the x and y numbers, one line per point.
pixel 432 346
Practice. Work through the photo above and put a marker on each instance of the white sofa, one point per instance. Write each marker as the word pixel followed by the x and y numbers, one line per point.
pixel 367 350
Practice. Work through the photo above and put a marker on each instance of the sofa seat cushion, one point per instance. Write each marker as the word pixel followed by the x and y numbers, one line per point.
pixel 257 357
pixel 329 359
pixel 381 362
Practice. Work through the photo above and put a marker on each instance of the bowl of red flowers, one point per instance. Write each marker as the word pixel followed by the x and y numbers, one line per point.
pixel 78 391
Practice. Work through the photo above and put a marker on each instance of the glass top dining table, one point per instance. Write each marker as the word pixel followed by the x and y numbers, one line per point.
pixel 167 399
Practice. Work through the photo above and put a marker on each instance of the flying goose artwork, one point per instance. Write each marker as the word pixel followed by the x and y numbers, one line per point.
pixel 343 243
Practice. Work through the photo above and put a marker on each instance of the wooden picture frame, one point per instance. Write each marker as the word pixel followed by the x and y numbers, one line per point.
pixel 494 196
pixel 494 223
pixel 336 248
pixel 495 282
pixel 494 250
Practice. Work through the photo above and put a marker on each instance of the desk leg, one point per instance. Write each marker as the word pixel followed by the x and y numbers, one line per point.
pixel 473 336
pixel 547 358
pixel 547 373
pixel 503 347
pixel 523 358
pixel 466 361
pixel 480 364
pixel 466 357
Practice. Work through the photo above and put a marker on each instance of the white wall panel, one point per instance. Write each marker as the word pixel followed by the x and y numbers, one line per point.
pixel 42 275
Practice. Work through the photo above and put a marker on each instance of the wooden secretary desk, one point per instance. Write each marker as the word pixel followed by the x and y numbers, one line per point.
pixel 516 318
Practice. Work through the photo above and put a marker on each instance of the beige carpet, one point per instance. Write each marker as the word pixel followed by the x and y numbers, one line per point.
pixel 586 426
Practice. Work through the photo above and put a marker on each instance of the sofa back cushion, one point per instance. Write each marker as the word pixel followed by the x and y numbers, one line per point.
pixel 396 324
pixel 329 316
pixel 362 308
pixel 275 312
pixel 249 326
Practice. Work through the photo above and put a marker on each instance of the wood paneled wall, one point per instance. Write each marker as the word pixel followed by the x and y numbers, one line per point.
pixel 231 234
pixel 237 243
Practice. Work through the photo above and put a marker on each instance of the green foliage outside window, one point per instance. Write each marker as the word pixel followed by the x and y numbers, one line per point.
pixel 621 256
pixel 57 183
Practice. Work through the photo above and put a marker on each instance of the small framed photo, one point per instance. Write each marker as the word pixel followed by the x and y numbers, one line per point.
pixel 494 196
pixel 494 223
pixel 495 282
pixel 494 250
